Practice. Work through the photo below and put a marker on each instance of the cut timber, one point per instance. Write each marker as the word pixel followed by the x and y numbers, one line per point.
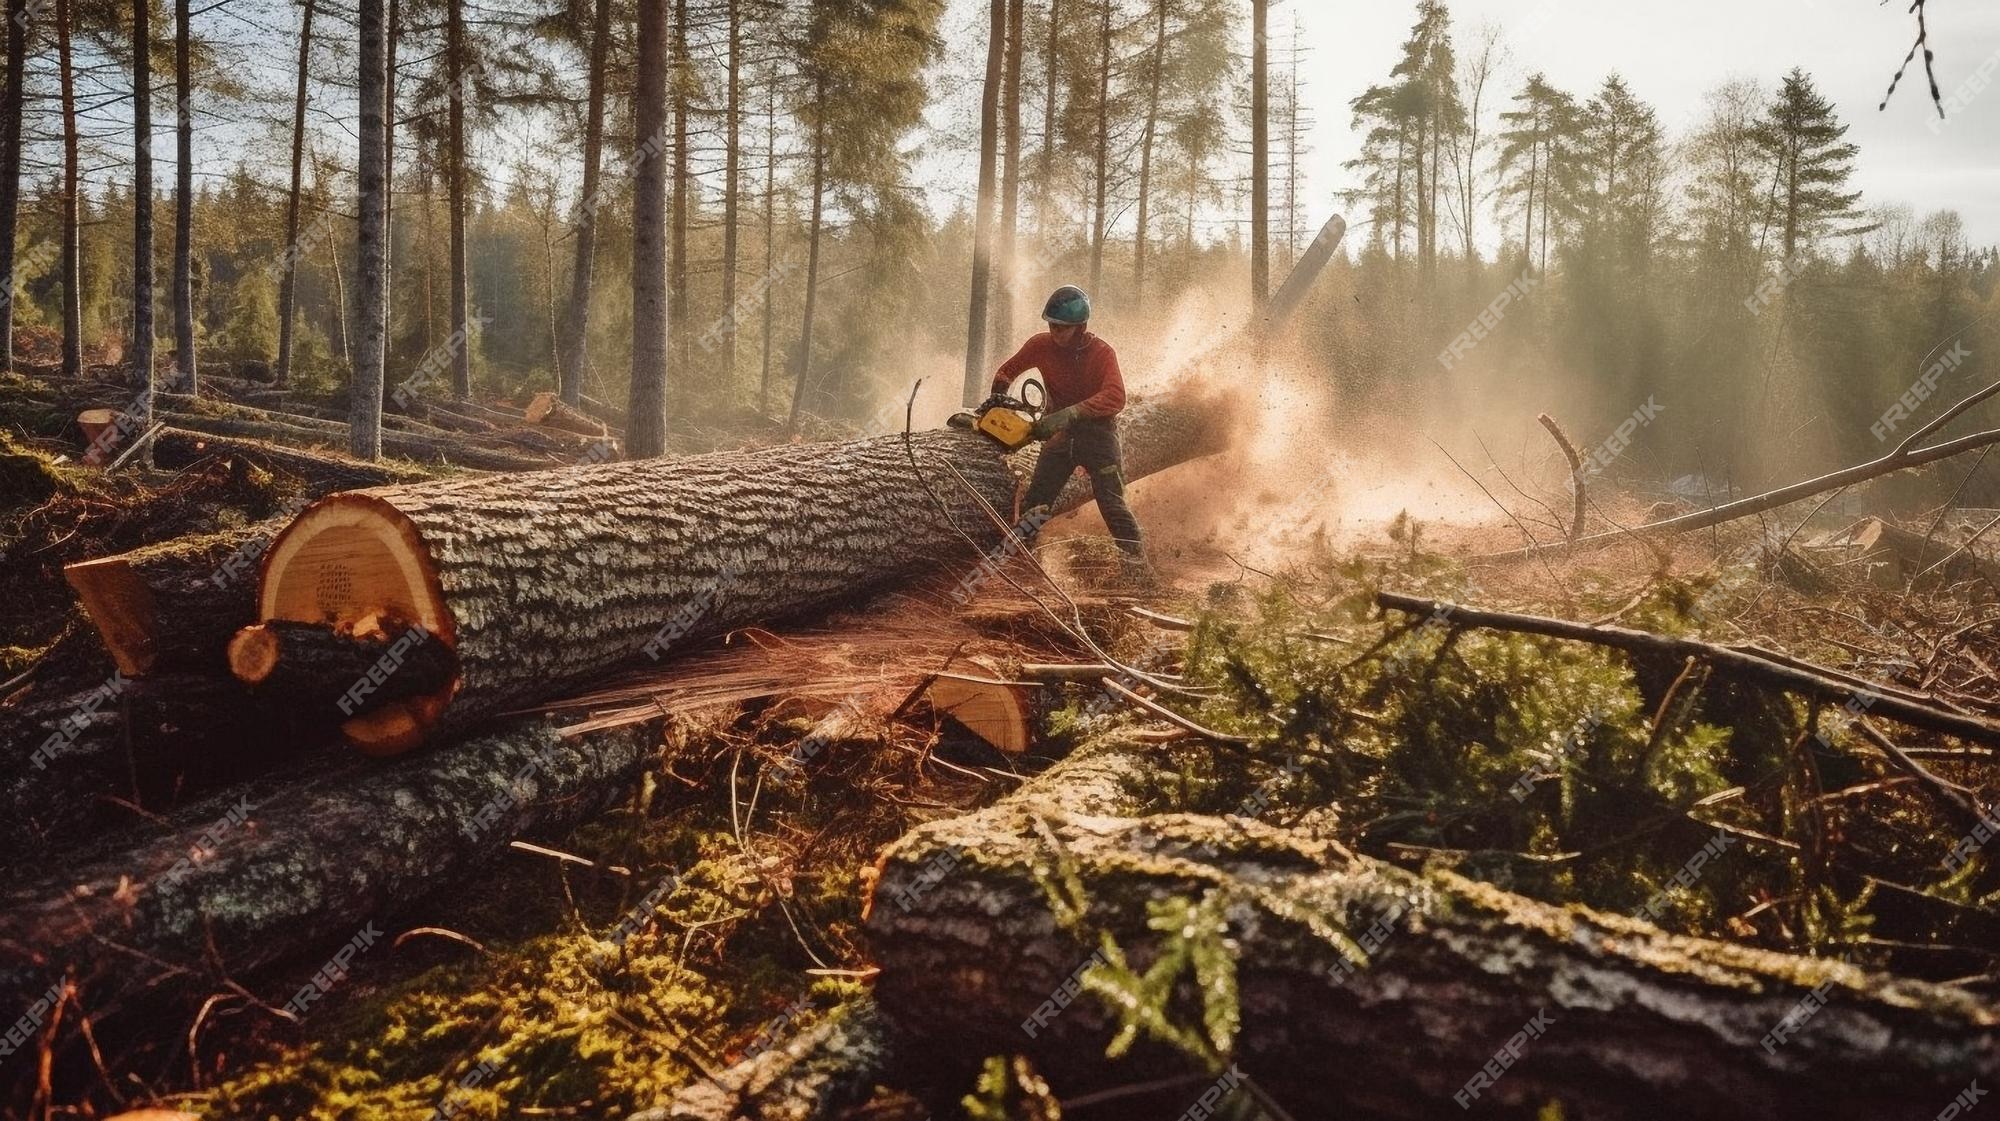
pixel 540 582
pixel 290 868
pixel 1641 1024
pixel 326 671
pixel 174 605
pixel 999 712
pixel 548 410
pixel 93 422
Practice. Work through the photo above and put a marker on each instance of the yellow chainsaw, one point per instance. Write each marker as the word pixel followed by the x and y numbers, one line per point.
pixel 1006 420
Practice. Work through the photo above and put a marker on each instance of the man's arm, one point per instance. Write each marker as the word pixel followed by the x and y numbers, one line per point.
pixel 1029 358
pixel 1109 400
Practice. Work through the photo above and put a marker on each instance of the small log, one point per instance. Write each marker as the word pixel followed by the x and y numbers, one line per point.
pixel 999 712
pixel 322 471
pixel 547 409
pixel 1087 674
pixel 338 674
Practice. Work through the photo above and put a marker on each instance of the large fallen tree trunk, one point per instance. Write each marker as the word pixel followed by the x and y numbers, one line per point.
pixel 323 472
pixel 265 871
pixel 542 581
pixel 1467 997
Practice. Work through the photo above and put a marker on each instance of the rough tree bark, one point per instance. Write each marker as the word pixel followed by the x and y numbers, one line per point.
pixel 142 210
pixel 576 333
pixel 1010 182
pixel 371 295
pixel 284 872
pixel 288 282
pixel 646 434
pixel 188 362
pixel 976 374
pixel 1260 159
pixel 732 174
pixel 681 75
pixel 12 119
pixel 802 377
pixel 1640 1023
pixel 72 235
pixel 1156 66
pixel 454 53
pixel 544 580
pixel 1100 227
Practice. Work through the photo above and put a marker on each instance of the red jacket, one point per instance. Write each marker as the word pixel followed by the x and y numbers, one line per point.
pixel 1087 375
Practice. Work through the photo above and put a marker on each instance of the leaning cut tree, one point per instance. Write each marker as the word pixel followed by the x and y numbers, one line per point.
pixel 542 581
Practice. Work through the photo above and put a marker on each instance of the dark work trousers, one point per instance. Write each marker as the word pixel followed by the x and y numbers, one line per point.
pixel 1091 444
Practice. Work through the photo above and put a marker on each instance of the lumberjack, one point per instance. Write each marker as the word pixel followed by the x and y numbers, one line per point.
pixel 1086 394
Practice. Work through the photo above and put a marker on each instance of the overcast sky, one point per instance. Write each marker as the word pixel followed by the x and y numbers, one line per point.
pixel 1671 54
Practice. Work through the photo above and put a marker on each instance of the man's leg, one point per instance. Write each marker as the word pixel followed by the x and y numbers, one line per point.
pixel 1097 450
pixel 1052 470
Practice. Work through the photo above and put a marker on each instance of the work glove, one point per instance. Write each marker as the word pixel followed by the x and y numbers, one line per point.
pixel 1047 426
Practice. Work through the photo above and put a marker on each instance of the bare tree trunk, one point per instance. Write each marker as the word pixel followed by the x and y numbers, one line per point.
pixel 142 209
pixel 343 314
pixel 1010 183
pixel 646 430
pixel 371 298
pixel 12 117
pixel 576 344
pixel 72 234
pixel 731 171
pixel 1260 161
pixel 682 77
pixel 1052 77
pixel 288 283
pixel 184 203
pixel 1100 215
pixel 389 188
pixel 982 221
pixel 1156 67
pixel 770 238
pixel 461 355
pixel 804 359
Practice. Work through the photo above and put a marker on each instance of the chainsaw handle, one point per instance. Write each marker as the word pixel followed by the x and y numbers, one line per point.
pixel 1040 403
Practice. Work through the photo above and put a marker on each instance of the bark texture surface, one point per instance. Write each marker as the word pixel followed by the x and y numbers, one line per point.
pixel 1641 1024
pixel 263 872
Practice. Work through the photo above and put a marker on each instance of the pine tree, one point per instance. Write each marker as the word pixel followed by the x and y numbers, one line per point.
pixel 1540 165
pixel 1812 161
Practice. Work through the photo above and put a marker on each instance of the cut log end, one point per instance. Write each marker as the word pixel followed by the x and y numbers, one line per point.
pixel 121 607
pixel 253 654
pixel 999 712
pixel 349 562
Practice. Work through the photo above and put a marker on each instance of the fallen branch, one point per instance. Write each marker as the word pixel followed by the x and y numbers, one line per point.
pixel 1169 715
pixel 1575 473
pixel 1793 675
pixel 1904 457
